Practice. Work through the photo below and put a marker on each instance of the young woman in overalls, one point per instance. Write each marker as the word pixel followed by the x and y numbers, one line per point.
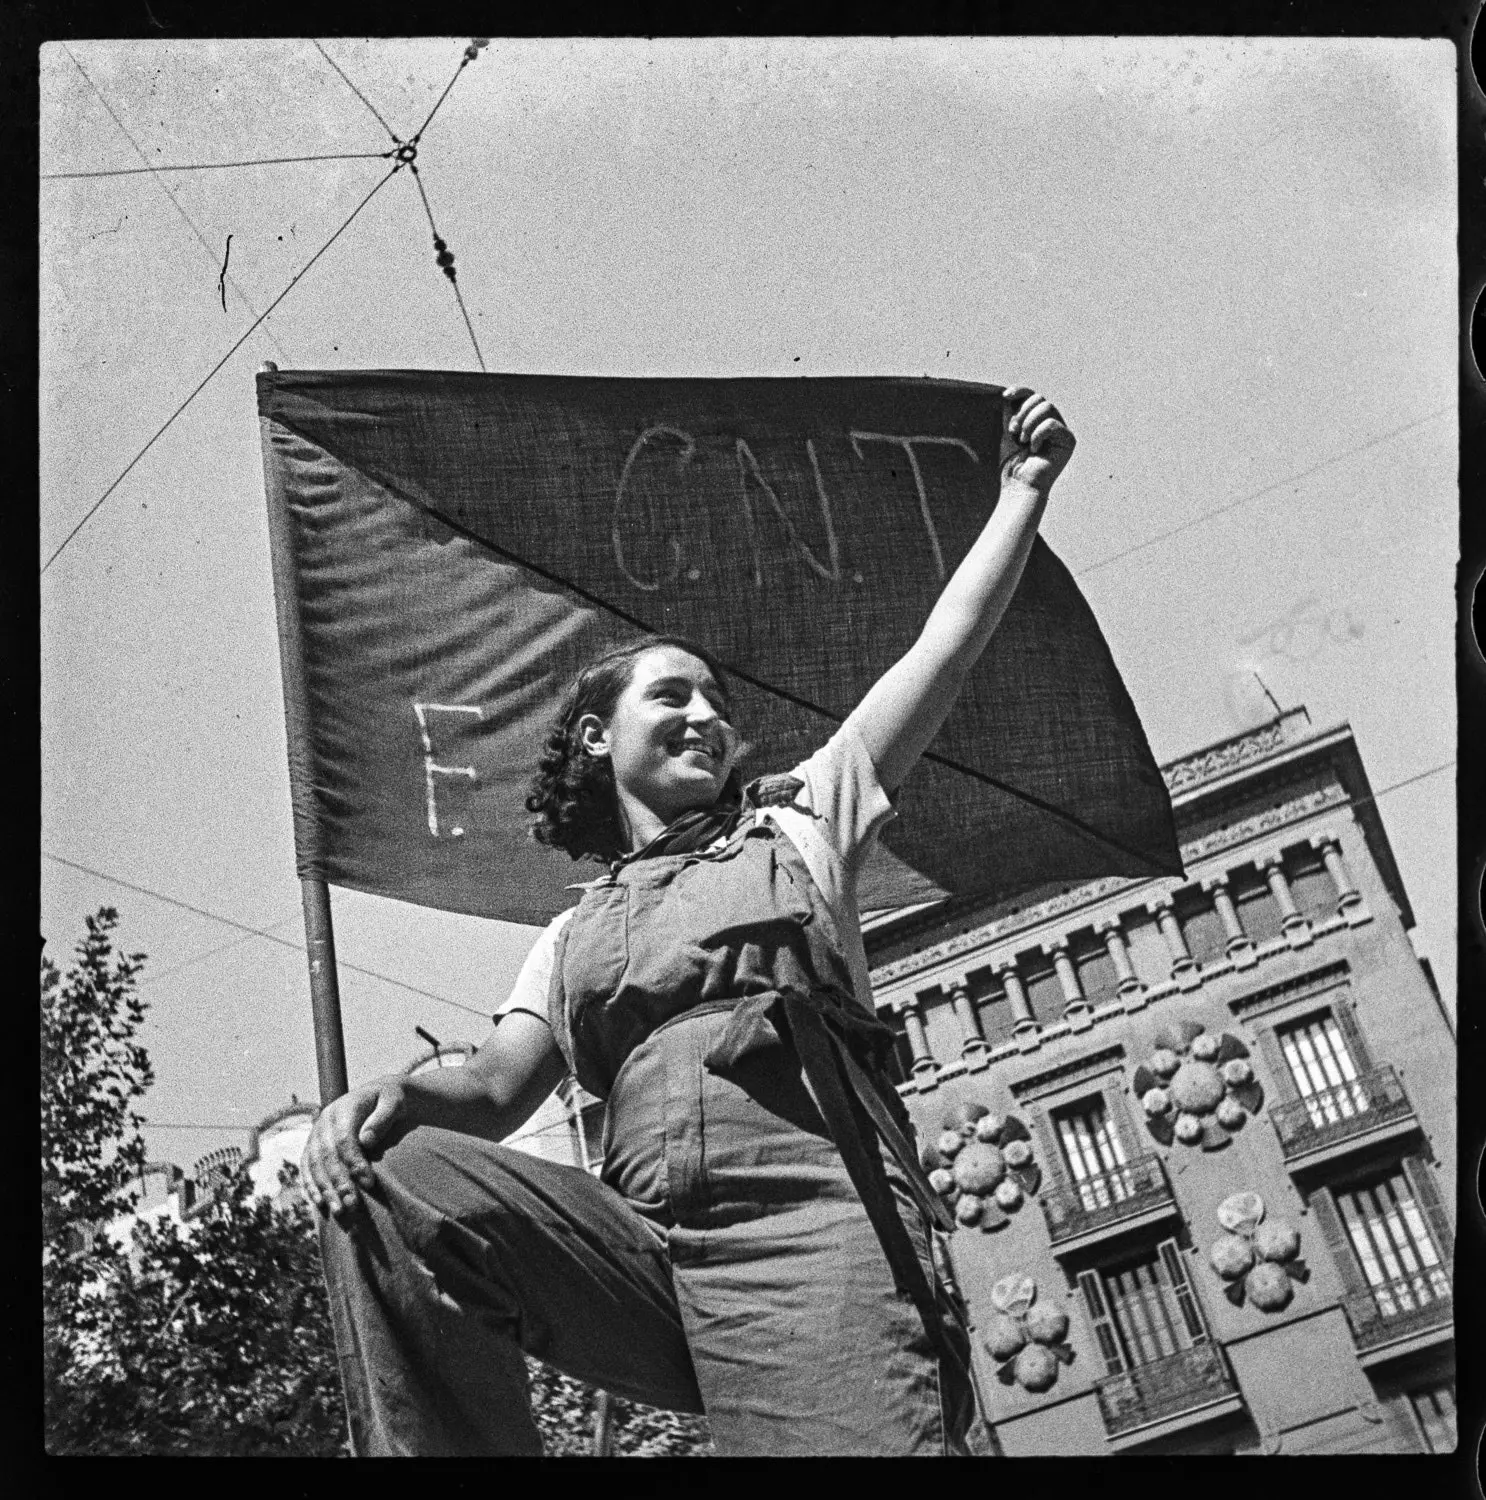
pixel 760 1245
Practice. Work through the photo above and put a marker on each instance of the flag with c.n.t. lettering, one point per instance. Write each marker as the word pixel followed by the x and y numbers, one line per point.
pixel 449 549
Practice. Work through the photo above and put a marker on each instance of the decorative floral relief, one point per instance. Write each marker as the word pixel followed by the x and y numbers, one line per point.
pixel 1196 1087
pixel 981 1164
pixel 1257 1257
pixel 1027 1342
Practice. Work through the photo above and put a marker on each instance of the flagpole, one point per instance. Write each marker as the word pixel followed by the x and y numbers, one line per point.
pixel 319 930
pixel 325 989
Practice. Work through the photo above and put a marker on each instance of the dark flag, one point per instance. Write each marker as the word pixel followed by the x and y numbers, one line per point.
pixel 449 549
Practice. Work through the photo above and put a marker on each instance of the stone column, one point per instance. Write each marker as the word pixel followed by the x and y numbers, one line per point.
pixel 924 1067
pixel 1239 946
pixel 1348 897
pixel 973 1048
pixel 1292 923
pixel 1183 965
pixel 1128 987
pixel 1024 1025
pixel 1076 1007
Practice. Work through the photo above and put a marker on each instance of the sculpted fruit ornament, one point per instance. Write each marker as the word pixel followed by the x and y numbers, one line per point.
pixel 981 1164
pixel 1028 1343
pixel 1196 1087
pixel 1257 1257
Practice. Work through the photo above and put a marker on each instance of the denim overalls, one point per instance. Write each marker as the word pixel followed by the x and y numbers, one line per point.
pixel 759 1244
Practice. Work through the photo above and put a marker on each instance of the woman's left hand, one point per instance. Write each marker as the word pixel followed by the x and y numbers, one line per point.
pixel 1035 443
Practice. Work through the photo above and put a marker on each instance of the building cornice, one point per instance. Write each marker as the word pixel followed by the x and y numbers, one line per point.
pixel 1230 777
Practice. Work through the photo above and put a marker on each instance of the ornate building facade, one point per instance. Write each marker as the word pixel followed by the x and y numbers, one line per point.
pixel 1199 1133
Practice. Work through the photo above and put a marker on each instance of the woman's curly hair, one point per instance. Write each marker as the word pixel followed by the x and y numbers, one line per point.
pixel 572 793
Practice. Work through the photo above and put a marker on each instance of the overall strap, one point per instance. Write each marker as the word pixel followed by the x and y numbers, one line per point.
pixel 851 1129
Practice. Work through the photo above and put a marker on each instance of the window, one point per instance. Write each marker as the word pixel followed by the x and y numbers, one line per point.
pixel 1387 1233
pixel 1434 1410
pixel 1097 977
pixel 1311 887
pixel 1258 911
pixel 1090 1145
pixel 992 1005
pixel 1322 1056
pixel 1044 994
pixel 1143 1308
pixel 1202 927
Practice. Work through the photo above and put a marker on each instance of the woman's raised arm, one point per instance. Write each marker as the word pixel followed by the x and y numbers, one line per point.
pixel 904 708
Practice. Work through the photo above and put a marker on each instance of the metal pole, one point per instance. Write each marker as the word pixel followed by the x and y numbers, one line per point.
pixel 319 935
pixel 325 990
pixel 603 1426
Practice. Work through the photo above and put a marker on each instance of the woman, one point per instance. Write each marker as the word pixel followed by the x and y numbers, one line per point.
pixel 760 1246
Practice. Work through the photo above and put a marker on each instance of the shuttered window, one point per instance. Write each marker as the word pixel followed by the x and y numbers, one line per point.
pixel 1434 1410
pixel 1322 1066
pixel 1090 1145
pixel 1387 1233
pixel 1143 1309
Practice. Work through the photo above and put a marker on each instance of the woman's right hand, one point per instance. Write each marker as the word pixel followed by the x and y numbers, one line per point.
pixel 334 1167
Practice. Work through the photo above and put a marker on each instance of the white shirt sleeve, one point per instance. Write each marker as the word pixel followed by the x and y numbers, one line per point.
pixel 832 821
pixel 840 810
pixel 530 991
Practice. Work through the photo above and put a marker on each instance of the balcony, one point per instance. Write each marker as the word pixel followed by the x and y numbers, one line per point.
pixel 1129 1197
pixel 1401 1317
pixel 1371 1108
pixel 1155 1400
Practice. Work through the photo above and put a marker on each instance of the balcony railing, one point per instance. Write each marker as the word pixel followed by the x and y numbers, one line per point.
pixel 1337 1114
pixel 1399 1309
pixel 1156 1392
pixel 1079 1208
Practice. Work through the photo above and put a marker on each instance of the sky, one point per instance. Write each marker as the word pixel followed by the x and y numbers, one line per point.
pixel 1230 262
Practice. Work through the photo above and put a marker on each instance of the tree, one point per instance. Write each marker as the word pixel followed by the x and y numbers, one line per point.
pixel 93 1069
pixel 213 1338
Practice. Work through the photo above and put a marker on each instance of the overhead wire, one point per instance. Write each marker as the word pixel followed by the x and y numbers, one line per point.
pixel 164 187
pixel 1444 765
pixel 220 948
pixel 470 54
pixel 1279 484
pixel 265 933
pixel 220 166
pixel 252 328
pixel 345 77
pixel 445 260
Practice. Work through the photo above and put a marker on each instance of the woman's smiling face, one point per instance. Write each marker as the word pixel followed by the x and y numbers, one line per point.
pixel 668 738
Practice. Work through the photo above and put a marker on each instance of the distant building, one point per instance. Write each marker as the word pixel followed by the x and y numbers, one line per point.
pixel 1258 1037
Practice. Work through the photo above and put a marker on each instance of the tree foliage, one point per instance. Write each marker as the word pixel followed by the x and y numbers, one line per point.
pixel 565 1411
pixel 93 1070
pixel 211 1338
